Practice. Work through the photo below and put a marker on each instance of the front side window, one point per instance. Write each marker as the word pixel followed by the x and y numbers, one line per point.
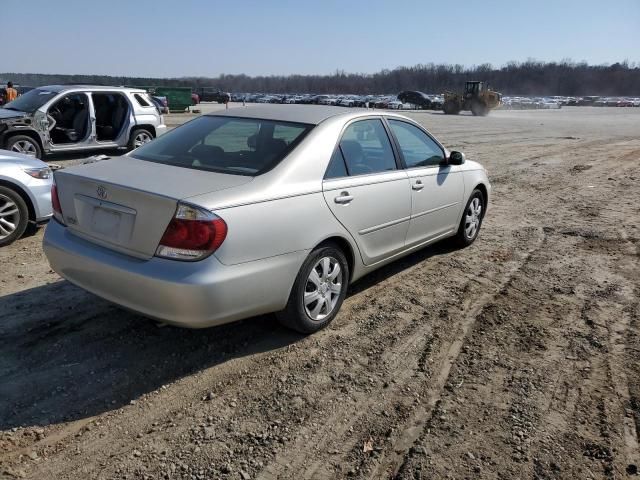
pixel 366 148
pixel 418 148
pixel 241 146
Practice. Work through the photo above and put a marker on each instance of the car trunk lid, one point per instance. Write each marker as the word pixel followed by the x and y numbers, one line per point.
pixel 126 204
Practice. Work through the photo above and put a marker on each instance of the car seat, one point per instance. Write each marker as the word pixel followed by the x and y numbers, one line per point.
pixel 79 124
pixel 208 155
pixel 354 157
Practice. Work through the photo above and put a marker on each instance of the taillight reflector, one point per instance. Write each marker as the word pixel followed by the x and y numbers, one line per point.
pixel 55 203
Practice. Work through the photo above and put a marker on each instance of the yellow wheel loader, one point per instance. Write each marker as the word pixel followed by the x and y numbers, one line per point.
pixel 476 97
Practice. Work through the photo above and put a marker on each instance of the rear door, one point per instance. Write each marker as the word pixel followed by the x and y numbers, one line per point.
pixel 145 111
pixel 437 189
pixel 367 192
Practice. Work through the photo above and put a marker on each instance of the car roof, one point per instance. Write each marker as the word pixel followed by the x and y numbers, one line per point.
pixel 309 114
pixel 64 88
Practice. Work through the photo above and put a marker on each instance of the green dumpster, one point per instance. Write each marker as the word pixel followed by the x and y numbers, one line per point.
pixel 179 98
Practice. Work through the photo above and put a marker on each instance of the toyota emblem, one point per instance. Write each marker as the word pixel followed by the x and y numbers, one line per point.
pixel 101 191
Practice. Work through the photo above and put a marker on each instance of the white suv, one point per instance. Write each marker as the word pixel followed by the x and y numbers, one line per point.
pixel 62 118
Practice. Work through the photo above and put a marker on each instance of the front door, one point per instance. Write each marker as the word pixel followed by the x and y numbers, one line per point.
pixel 367 192
pixel 69 120
pixel 437 189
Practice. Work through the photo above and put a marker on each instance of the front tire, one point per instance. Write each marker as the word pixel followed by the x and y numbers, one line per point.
pixel 24 144
pixel 14 216
pixel 471 219
pixel 479 109
pixel 318 292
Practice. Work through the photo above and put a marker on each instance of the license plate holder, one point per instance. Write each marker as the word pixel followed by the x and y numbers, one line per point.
pixel 106 222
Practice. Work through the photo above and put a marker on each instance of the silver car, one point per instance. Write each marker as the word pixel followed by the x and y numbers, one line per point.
pixel 25 195
pixel 72 118
pixel 257 210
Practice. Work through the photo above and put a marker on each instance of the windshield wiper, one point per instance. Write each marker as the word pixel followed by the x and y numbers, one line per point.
pixel 12 108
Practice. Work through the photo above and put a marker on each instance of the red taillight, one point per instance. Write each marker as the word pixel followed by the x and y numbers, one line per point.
pixel 55 203
pixel 192 234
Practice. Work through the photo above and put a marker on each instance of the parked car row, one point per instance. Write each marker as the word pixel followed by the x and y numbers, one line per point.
pixel 392 102
pixel 617 102
pixel 526 102
pixel 412 99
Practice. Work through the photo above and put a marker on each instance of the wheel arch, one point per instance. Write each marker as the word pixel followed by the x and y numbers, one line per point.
pixel 346 248
pixel 145 126
pixel 485 193
pixel 28 133
pixel 23 194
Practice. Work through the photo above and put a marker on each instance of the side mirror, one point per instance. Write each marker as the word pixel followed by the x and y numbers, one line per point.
pixel 456 158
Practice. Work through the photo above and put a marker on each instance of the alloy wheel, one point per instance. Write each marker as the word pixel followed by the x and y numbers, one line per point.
pixel 25 147
pixel 9 216
pixel 473 218
pixel 141 138
pixel 323 288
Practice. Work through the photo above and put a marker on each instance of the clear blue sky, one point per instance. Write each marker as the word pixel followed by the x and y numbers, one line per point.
pixel 207 37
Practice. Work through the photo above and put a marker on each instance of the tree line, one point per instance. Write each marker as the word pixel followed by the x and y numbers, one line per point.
pixel 515 78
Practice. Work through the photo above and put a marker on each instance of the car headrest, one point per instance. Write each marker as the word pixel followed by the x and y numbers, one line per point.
pixel 352 150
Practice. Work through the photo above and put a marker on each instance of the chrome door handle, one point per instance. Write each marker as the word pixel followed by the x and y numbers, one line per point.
pixel 418 185
pixel 344 197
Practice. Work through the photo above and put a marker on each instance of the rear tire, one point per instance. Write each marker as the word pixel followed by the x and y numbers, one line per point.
pixel 14 216
pixel 138 137
pixel 471 219
pixel 24 144
pixel 318 292
pixel 450 108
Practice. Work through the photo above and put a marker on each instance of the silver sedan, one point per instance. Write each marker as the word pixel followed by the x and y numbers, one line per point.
pixel 25 194
pixel 258 210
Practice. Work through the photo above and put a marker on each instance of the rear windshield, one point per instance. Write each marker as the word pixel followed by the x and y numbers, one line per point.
pixel 241 146
pixel 31 101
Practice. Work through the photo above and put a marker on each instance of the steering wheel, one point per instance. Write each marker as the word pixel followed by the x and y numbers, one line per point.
pixel 55 109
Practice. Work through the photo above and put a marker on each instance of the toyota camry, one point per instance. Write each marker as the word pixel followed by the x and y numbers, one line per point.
pixel 260 209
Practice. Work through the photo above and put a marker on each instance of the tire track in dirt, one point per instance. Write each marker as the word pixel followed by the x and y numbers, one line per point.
pixel 400 360
pixel 390 464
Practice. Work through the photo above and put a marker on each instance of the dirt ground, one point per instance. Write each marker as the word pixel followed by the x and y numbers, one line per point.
pixel 517 357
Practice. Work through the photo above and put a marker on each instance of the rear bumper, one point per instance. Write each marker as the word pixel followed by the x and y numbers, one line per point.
pixel 190 294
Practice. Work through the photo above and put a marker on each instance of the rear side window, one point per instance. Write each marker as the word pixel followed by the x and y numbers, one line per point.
pixel 418 148
pixel 366 148
pixel 240 146
pixel 337 167
pixel 141 101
